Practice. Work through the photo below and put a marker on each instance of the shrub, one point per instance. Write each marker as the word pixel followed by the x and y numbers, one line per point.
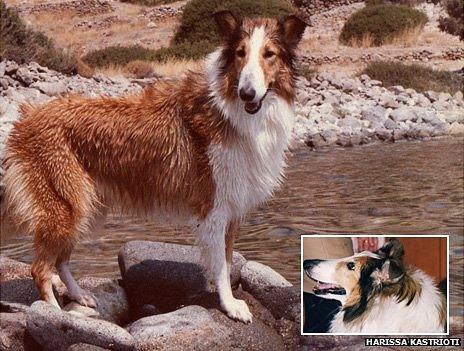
pixel 454 24
pixel 139 69
pixel 196 36
pixel 122 55
pixel 197 22
pixel 22 44
pixel 417 77
pixel 394 2
pixel 381 24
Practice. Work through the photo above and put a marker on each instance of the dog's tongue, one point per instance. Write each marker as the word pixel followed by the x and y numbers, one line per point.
pixel 324 286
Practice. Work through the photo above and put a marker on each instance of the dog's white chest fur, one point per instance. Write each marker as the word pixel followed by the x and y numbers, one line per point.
pixel 247 170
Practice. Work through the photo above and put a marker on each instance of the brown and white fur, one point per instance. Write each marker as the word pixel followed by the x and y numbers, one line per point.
pixel 203 150
pixel 379 294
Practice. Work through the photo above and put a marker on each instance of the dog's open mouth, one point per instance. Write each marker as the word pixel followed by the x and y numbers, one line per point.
pixel 322 288
pixel 253 107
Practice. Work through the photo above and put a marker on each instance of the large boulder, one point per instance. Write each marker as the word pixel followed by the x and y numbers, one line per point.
pixel 165 275
pixel 113 305
pixel 55 329
pixel 189 328
pixel 16 283
pixel 13 334
pixel 271 289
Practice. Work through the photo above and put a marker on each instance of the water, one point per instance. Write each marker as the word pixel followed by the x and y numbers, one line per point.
pixel 401 188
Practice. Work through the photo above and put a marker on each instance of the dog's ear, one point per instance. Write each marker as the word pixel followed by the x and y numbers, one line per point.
pixel 392 269
pixel 359 305
pixel 227 22
pixel 292 28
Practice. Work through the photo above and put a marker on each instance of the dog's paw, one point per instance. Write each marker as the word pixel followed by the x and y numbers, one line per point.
pixel 238 309
pixel 84 298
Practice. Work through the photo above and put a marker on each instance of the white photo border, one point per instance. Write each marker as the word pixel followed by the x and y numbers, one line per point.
pixel 447 236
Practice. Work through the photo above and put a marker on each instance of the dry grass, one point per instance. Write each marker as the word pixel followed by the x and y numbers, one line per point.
pixel 172 68
pixel 417 77
pixel 406 38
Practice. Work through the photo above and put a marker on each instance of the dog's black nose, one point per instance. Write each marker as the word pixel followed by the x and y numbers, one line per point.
pixel 247 94
pixel 308 264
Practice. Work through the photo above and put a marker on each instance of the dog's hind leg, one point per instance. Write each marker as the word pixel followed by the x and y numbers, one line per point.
pixel 211 234
pixel 75 292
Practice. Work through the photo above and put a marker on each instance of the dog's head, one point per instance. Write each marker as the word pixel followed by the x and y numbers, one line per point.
pixel 359 277
pixel 258 57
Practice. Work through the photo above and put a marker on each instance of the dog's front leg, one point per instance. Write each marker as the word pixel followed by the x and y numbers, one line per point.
pixel 212 240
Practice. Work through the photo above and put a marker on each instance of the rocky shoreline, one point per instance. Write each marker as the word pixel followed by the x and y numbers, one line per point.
pixel 331 109
pixel 163 302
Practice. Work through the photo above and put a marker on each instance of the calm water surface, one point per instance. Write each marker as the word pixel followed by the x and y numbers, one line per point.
pixel 401 188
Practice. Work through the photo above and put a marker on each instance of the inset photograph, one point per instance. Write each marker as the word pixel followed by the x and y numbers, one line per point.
pixel 374 285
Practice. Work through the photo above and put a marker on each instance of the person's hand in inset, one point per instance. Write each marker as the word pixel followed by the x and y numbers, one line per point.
pixel 367 244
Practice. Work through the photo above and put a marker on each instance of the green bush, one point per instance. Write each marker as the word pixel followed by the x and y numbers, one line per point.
pixel 454 24
pixel 417 77
pixel 22 44
pixel 197 22
pixel 197 35
pixel 381 23
pixel 394 2
pixel 122 55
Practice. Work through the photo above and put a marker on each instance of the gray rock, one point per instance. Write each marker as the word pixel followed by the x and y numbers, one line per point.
pixel 50 89
pixel 375 114
pixel 349 122
pixel 389 124
pixel 269 288
pixel 403 114
pixel 431 95
pixel 113 305
pixel 16 284
pixel 189 328
pixel 389 102
pixel 55 329
pixel 330 136
pixel 2 68
pixel 429 116
pixel 13 335
pixel 11 67
pixel 4 83
pixel 397 89
pixel 25 75
pixel 458 96
pixel 170 273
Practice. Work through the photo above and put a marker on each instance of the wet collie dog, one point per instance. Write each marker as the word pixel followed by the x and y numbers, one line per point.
pixel 379 294
pixel 203 150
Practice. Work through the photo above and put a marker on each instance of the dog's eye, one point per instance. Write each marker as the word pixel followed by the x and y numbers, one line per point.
pixel 241 53
pixel 350 266
pixel 269 54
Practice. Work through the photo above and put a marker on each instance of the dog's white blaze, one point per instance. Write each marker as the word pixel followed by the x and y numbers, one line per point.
pixel 246 172
pixel 252 73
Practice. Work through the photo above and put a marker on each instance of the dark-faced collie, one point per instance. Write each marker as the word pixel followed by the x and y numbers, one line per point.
pixel 203 150
pixel 379 294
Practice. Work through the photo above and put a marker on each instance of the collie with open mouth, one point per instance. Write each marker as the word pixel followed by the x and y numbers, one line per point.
pixel 202 150
pixel 379 294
